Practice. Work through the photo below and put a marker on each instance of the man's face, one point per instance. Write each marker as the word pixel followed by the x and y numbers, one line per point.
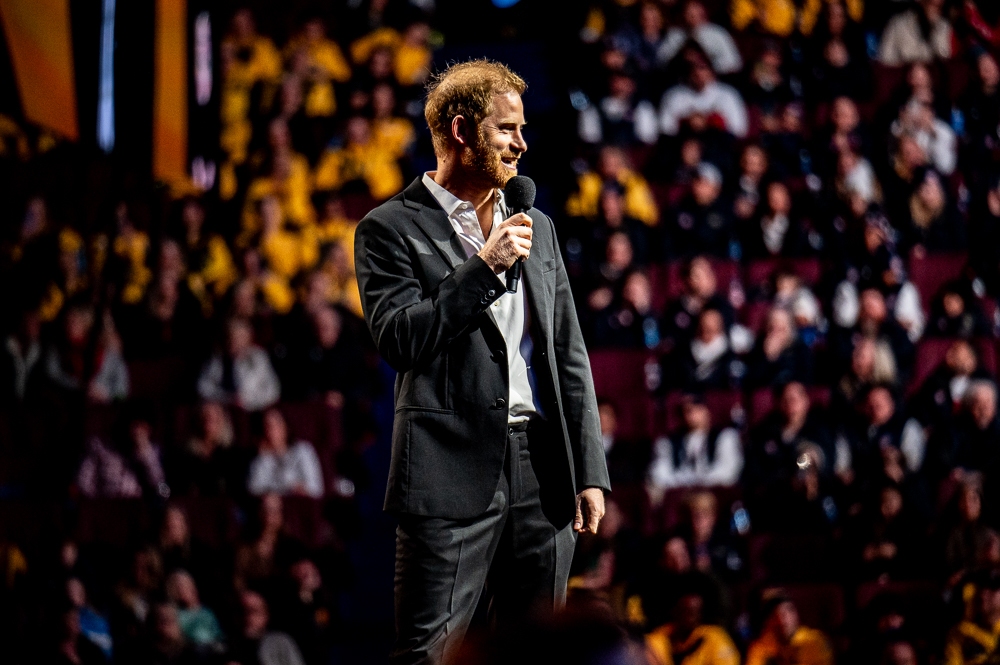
pixel 494 152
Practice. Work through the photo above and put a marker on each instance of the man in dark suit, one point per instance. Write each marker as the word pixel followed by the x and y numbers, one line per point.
pixel 496 455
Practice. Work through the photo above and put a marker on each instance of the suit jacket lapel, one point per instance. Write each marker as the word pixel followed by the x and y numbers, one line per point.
pixel 433 223
pixel 539 297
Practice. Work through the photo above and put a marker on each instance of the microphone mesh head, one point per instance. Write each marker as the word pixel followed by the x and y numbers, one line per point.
pixel 519 194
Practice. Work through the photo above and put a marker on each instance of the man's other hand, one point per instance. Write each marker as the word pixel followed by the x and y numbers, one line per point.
pixel 508 242
pixel 589 510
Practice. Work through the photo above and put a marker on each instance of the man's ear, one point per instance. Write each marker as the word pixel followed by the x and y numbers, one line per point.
pixel 461 131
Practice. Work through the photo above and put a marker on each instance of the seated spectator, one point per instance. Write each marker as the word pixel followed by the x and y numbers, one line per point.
pixel 980 108
pixel 391 134
pixel 613 219
pixel 93 625
pixel 128 468
pixel 331 361
pixel 698 454
pixel 211 270
pixel 872 363
pixel 88 362
pixel 687 640
pixel 266 549
pixel 243 375
pixel 934 137
pixel 284 176
pixel 840 65
pixel 968 533
pixel 714 40
pixel 791 430
pixel 750 185
pixel 713 549
pixel 179 550
pixel 776 17
pixel 942 393
pixel 707 362
pixel 198 624
pixel 792 295
pixel 324 64
pixel 258 57
pixel 255 643
pixel 885 444
pixel 629 322
pixel 767 89
pixel 977 429
pixel 360 159
pixel 920 34
pixel 784 639
pixel 976 638
pixel 780 355
pixel 701 102
pixel 885 538
pixel 165 642
pixel 870 319
pixel 135 595
pixel 955 312
pixel 844 132
pixel 704 223
pixel 307 611
pixel 700 293
pixel 621 117
pixel 786 144
pixel 612 271
pixel 779 232
pixel 613 167
pixel 208 465
pixel 280 468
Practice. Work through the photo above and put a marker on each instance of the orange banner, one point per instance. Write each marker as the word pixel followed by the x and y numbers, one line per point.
pixel 41 52
pixel 170 109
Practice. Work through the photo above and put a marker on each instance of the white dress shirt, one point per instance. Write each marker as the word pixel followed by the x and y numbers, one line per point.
pixel 682 101
pixel 509 311
pixel 695 469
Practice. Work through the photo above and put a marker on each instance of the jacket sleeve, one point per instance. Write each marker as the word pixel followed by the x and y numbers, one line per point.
pixel 411 327
pixel 576 385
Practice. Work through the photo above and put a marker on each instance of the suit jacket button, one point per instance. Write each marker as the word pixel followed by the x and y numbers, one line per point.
pixel 497 355
pixel 491 292
pixel 499 403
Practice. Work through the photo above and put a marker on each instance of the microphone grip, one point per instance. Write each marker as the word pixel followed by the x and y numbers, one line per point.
pixel 513 276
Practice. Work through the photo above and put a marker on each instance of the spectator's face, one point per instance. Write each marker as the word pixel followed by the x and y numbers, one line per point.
pixel 688 612
pixel 193 215
pixel 890 503
pixel 710 326
pixel 910 153
pixel 676 558
pixel 705 190
pixel 836 18
pixel 650 19
pixel 697 416
pixel 845 114
pixel 313 30
pixel 245 299
pixel 880 406
pixel 703 521
pixel 638 293
pixel 380 65
pixel 611 163
pixel 499 143
pixel 278 135
pixel 79 323
pixel 271 512
pixel 779 326
pixel 621 86
pixel 255 614
pixel 171 260
pixel 919 77
pixel 989 73
pixel 872 306
pixel 863 359
pixel 609 420
pixel 701 278
pixel 778 199
pixel 275 431
pixel 166 627
pixel 961 359
pixel 701 74
pixel 619 251
pixel 988 602
pixel 691 153
pixel 794 402
pixel 383 101
pixel 970 504
pixel 327 323
pixel 754 162
pixel 213 421
pixel 175 528
pixel 695 14
pixel 306 576
pixel 76 592
pixel 357 131
pixel 983 406
pixel 900 653
pixel 953 305
pixel 785 620
pixel 181 589
pixel 240 338
pixel 612 207
pixel 270 214
pixel 931 192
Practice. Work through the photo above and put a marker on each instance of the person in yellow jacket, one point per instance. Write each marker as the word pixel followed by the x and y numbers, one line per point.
pixel 976 640
pixel 782 17
pixel 256 57
pixel 412 61
pixel 811 10
pixel 320 62
pixel 287 253
pixel 688 641
pixel 210 265
pixel 784 641
pixel 129 248
pixel 391 134
pixel 359 159
pixel 613 166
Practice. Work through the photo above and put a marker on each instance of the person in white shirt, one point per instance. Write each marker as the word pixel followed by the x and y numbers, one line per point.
pixel 243 376
pixel 715 40
pixel 283 469
pixel 698 455
pixel 702 102
pixel 920 34
pixel 933 135
pixel 619 117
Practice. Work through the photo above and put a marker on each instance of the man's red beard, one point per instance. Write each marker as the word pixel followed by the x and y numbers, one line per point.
pixel 481 158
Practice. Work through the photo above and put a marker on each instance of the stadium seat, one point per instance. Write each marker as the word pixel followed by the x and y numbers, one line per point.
pixel 304 521
pixel 759 272
pixel 726 407
pixel 931 353
pixel 620 378
pixel 786 558
pixel 819 605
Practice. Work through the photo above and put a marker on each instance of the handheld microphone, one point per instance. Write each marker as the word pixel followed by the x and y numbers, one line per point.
pixel 519 195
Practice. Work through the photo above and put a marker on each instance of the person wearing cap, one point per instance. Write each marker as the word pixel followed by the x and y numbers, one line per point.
pixel 784 639
pixel 977 639
pixel 704 223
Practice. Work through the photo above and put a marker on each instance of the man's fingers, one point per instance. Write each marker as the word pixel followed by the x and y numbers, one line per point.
pixel 594 521
pixel 578 520
pixel 520 219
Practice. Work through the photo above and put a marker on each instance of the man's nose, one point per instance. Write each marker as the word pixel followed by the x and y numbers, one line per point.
pixel 519 144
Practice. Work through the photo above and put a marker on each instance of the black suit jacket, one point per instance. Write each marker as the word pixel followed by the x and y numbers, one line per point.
pixel 425 305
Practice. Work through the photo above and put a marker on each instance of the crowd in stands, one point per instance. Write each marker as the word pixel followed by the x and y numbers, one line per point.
pixel 783 237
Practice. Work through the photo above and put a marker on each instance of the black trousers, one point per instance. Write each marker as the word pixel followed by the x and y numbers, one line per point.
pixel 517 547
